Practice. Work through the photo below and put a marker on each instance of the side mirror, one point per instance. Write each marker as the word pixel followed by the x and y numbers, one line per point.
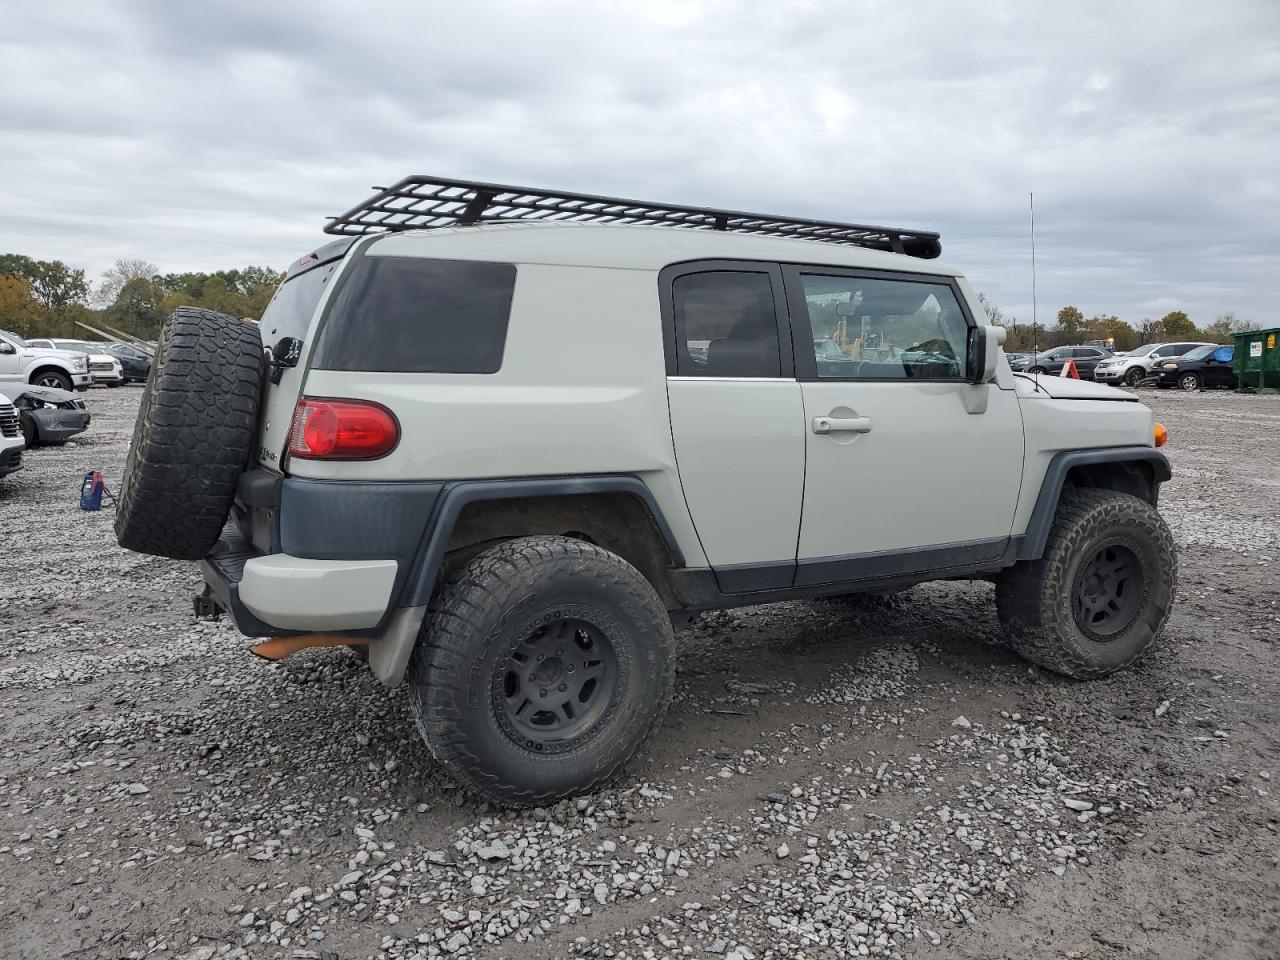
pixel 983 353
pixel 7 347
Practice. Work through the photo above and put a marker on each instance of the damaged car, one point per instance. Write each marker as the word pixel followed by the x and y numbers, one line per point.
pixel 48 415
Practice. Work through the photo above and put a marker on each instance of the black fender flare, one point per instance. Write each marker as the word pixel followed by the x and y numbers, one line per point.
pixel 1031 545
pixel 457 495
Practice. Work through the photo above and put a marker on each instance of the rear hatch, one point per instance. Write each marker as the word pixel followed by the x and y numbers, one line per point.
pixel 294 312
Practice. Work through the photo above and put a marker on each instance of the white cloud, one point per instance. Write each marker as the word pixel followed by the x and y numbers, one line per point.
pixel 208 135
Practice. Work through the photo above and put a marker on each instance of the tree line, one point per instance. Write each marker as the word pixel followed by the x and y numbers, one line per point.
pixel 1072 327
pixel 46 298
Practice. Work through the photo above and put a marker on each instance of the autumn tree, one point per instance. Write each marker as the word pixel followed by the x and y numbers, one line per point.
pixel 54 285
pixel 1224 326
pixel 1176 325
pixel 1103 327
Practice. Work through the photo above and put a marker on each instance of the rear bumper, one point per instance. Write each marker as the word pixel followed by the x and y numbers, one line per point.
pixel 316 556
pixel 270 593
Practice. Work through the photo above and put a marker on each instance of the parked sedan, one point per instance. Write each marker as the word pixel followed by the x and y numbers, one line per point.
pixel 1052 361
pixel 1202 368
pixel 136 362
pixel 47 414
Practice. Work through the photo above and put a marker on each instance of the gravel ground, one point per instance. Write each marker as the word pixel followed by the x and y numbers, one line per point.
pixel 835 778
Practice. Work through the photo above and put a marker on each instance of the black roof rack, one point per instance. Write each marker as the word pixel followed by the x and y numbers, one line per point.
pixel 422 202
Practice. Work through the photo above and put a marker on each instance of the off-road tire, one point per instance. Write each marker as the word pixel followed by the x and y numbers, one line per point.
pixel 1034 598
pixel 483 612
pixel 196 424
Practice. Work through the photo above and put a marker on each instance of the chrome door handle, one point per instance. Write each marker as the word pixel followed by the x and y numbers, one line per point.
pixel 841 424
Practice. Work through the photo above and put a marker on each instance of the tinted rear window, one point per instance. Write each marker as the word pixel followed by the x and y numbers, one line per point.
pixel 290 310
pixel 409 315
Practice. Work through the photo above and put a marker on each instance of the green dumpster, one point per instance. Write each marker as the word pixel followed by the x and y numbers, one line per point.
pixel 1257 360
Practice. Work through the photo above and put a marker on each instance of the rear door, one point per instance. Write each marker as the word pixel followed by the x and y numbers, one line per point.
pixel 909 467
pixel 737 419
pixel 1218 371
pixel 1087 359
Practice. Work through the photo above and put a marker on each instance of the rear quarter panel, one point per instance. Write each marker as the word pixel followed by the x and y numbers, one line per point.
pixel 581 390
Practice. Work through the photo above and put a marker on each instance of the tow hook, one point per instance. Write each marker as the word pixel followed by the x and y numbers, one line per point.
pixel 205 606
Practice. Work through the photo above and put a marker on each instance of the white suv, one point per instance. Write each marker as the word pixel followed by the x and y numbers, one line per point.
pixel 506 457
pixel 1136 365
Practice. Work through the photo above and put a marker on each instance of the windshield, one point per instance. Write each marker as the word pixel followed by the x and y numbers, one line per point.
pixel 1199 353
pixel 13 338
pixel 1139 352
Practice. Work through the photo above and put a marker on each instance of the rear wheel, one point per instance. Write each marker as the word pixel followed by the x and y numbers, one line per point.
pixel 544 664
pixel 1189 381
pixel 1097 599
pixel 1039 371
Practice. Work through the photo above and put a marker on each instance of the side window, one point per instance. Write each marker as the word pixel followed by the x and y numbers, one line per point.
pixel 1087 353
pixel 1169 351
pixel 726 325
pixel 877 329
pixel 431 316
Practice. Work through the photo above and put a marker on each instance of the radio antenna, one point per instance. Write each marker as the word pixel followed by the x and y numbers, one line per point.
pixel 1035 340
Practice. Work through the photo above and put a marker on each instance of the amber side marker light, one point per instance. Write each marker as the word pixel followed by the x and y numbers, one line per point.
pixel 1161 433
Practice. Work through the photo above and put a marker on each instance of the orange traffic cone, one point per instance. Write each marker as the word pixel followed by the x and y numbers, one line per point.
pixel 1069 370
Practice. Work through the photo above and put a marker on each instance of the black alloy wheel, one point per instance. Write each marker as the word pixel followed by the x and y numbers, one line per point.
pixel 556 685
pixel 1109 591
pixel 1135 376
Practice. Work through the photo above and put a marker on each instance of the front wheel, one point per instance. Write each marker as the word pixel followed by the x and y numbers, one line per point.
pixel 1189 381
pixel 1135 376
pixel 53 378
pixel 544 664
pixel 1097 599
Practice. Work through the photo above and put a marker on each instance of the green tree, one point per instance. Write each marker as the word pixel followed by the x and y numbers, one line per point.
pixel 137 309
pixel 1071 324
pixel 121 273
pixel 1176 325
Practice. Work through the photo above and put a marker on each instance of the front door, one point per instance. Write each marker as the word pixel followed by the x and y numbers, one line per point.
pixel 909 467
pixel 736 418
pixel 10 361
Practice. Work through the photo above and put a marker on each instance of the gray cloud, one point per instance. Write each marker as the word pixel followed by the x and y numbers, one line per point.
pixel 207 135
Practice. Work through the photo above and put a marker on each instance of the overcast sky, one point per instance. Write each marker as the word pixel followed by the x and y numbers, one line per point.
pixel 209 135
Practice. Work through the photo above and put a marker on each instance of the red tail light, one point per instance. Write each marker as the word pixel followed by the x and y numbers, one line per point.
pixel 342 430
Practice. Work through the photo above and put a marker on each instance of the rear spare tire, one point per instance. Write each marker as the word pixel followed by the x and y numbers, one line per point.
pixel 192 439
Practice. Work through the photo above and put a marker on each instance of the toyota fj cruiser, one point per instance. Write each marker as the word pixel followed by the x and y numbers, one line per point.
pixel 506 437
